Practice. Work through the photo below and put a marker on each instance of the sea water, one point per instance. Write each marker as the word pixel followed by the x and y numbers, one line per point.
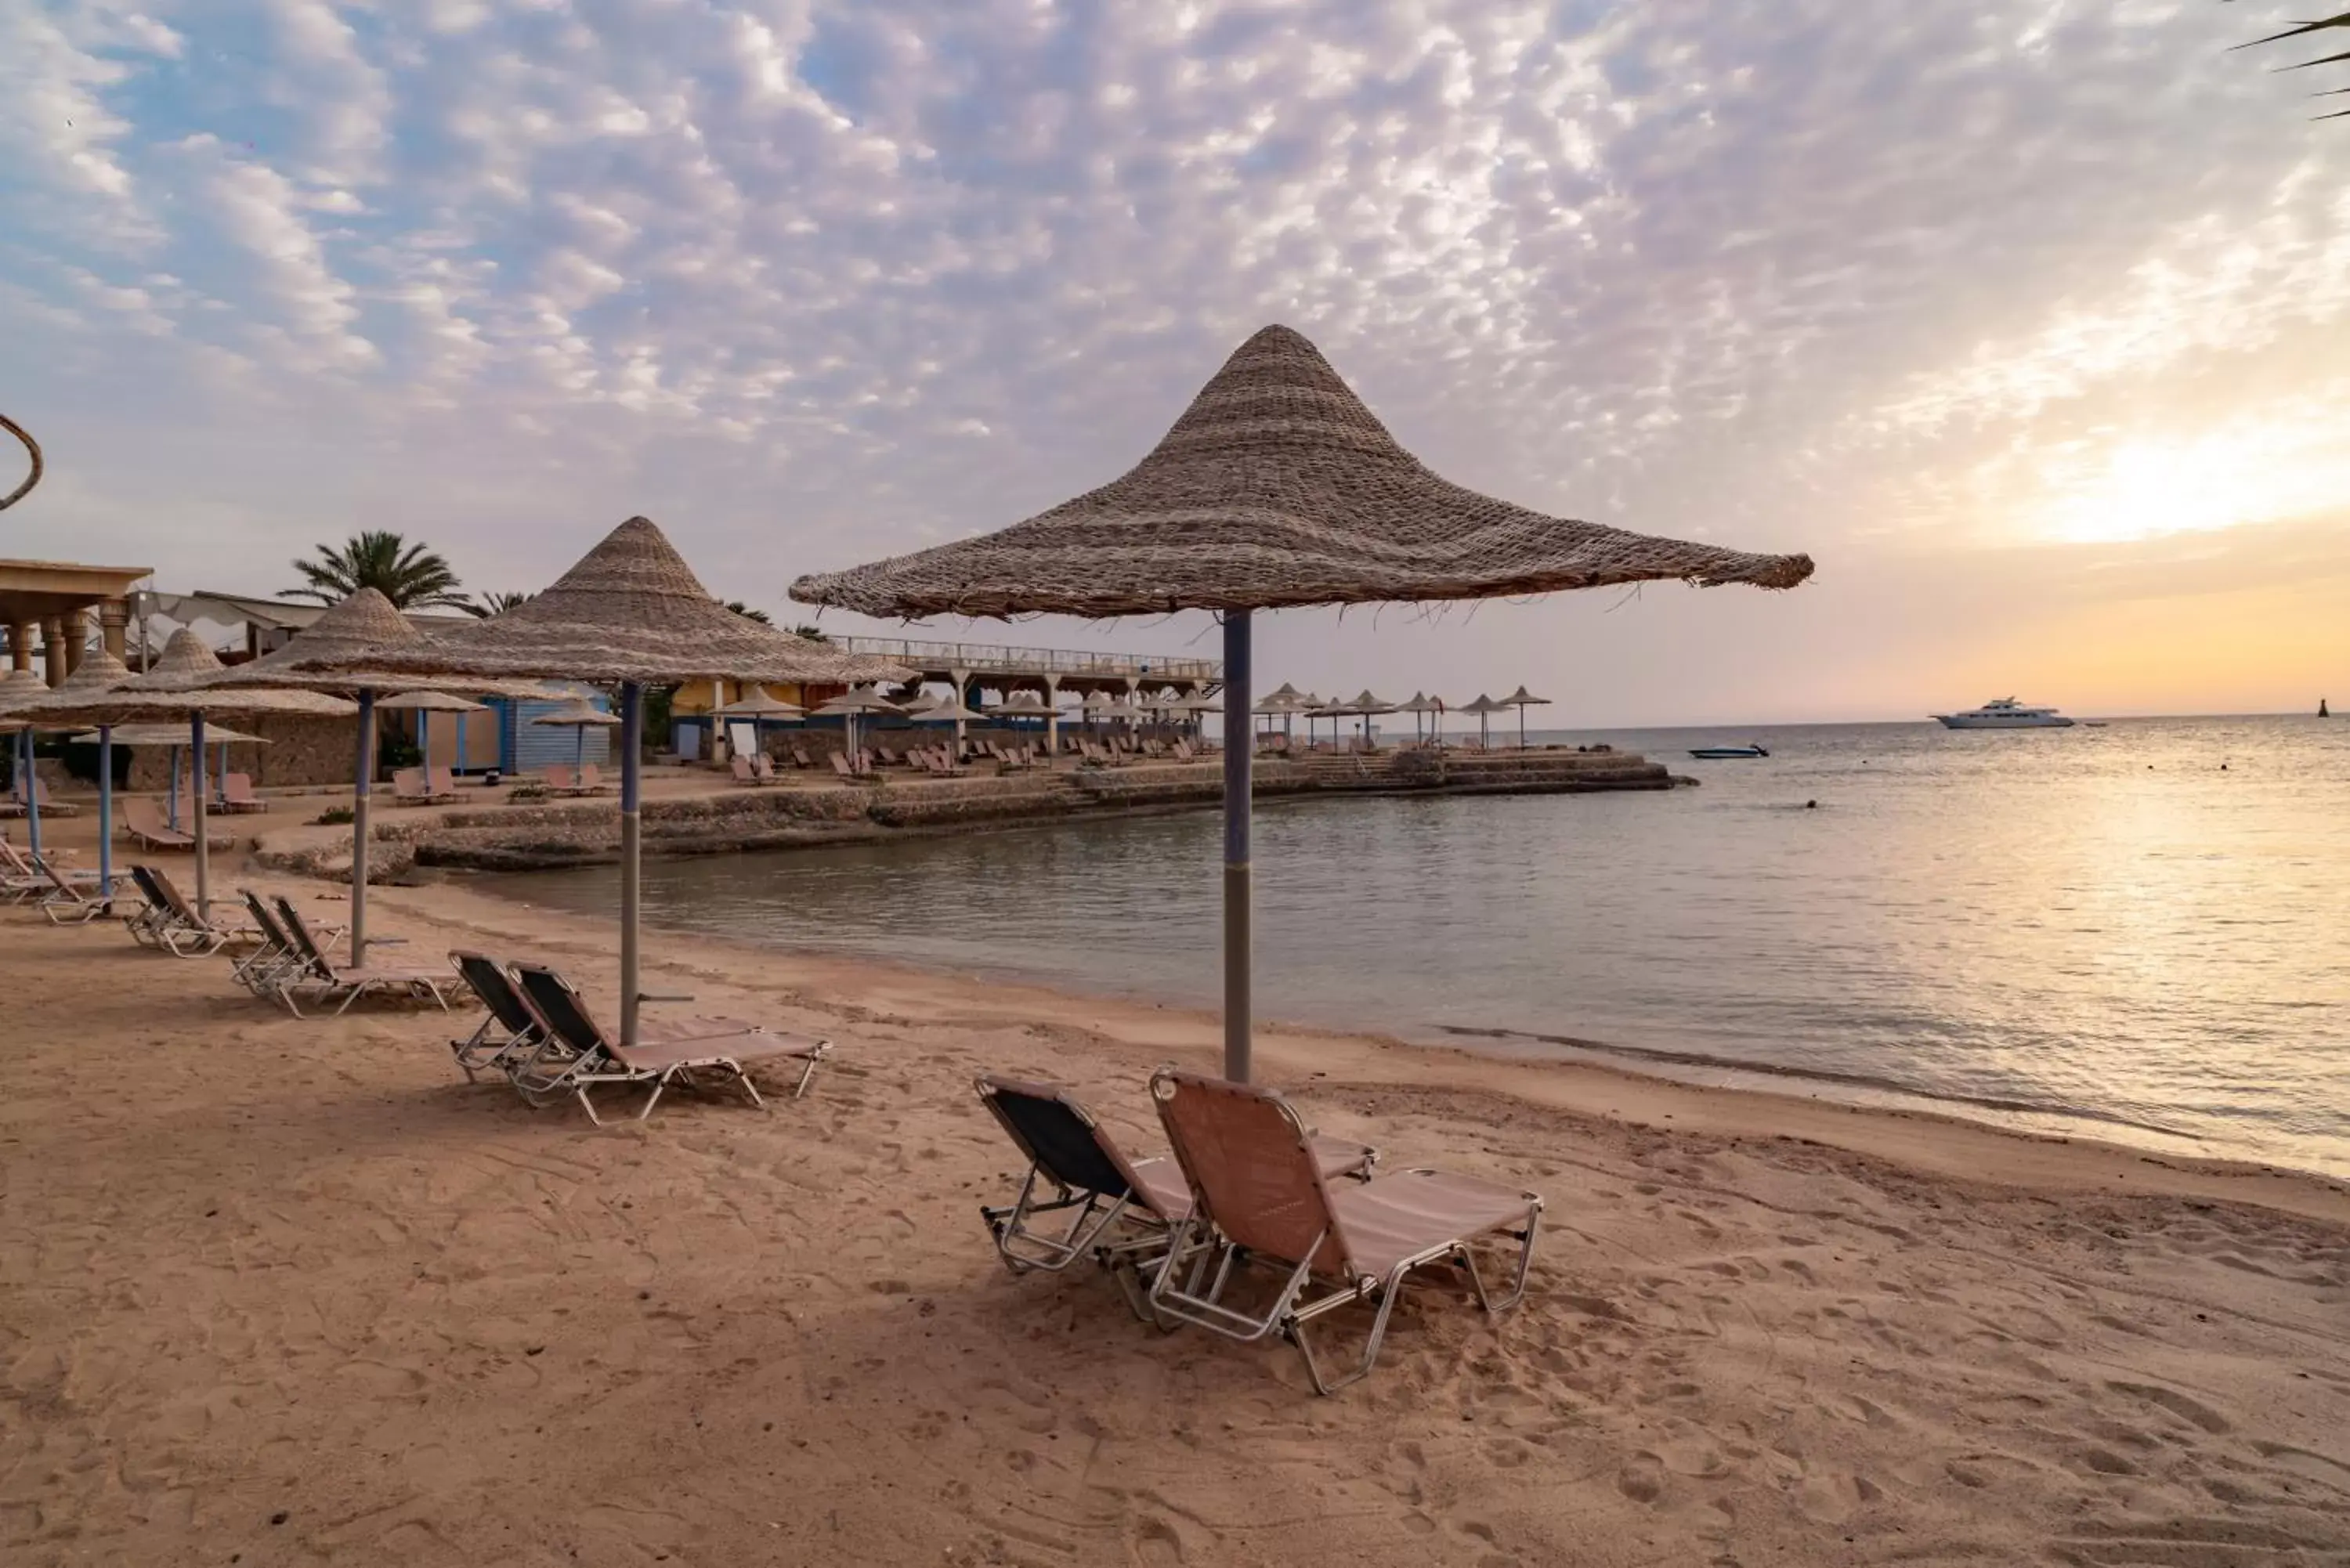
pixel 2140 931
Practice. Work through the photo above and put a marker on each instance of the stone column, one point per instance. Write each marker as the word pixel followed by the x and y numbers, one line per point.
pixel 76 624
pixel 113 627
pixel 53 649
pixel 20 645
pixel 1052 724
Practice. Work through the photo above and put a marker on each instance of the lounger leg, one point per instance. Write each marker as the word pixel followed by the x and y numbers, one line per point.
pixel 749 1087
pixel 654 1098
pixel 1391 1291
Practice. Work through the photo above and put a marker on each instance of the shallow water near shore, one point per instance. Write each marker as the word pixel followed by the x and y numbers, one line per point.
pixel 2140 931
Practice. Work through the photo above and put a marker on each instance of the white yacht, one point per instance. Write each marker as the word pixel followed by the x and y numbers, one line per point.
pixel 2005 713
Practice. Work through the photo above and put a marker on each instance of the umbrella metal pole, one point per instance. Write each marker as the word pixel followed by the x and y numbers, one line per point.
pixel 106 812
pixel 359 829
pixel 223 770
pixel 203 834
pixel 632 729
pixel 1238 699
pixel 172 817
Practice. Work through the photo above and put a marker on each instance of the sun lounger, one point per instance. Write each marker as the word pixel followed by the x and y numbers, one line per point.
pixel 1105 1194
pixel 70 901
pixel 740 765
pixel 50 805
pixel 510 1030
pixel 443 779
pixel 1259 1196
pixel 577 1055
pixel 317 972
pixel 237 796
pixel 800 758
pixel 762 768
pixel 143 824
pixel 171 922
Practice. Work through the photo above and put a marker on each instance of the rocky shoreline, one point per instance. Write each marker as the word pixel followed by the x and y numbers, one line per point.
pixel 552 834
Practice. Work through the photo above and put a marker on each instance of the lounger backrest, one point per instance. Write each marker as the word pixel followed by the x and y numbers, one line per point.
pixel 266 923
pixel 140 816
pixel 1250 1161
pixel 408 782
pixel 299 929
pixel 840 764
pixel 589 778
pixel 144 876
pixel 15 863
pixel 239 790
pixel 444 779
pixel 761 767
pixel 169 893
pixel 742 766
pixel 558 775
pixel 495 986
pixel 1061 1137
pixel 559 1002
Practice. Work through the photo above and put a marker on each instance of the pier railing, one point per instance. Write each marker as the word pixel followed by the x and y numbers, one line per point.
pixel 997 657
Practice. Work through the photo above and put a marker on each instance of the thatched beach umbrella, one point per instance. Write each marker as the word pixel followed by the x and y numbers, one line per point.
pixel 760 709
pixel 629 614
pixel 425 704
pixel 1288 701
pixel 1276 488
pixel 18 687
pixel 1028 705
pixel 1367 708
pixel 172 688
pixel 945 711
pixel 1485 707
pixel 1523 699
pixel 848 706
pixel 1421 705
pixel 578 716
pixel 362 624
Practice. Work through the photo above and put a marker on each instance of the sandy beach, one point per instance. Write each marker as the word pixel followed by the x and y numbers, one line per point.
pixel 279 1291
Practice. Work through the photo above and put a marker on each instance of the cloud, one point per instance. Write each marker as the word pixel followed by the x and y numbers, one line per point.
pixel 813 280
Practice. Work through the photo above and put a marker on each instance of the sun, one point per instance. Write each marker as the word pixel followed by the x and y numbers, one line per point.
pixel 2139 489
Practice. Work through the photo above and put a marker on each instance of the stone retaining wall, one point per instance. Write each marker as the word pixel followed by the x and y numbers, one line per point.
pixel 584 832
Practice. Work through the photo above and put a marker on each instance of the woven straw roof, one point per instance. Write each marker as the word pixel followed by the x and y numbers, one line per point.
pixel 578 712
pixel 1521 698
pixel 1025 705
pixel 630 609
pixel 1421 702
pixel 100 672
pixel 20 686
pixel 859 701
pixel 1276 487
pixel 363 623
pixel 170 689
pixel 947 710
pixel 1364 702
pixel 1483 704
pixel 427 702
pixel 175 735
pixel 759 705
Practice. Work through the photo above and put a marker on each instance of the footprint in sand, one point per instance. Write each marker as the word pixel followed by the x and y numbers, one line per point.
pixel 1642 1479
pixel 2190 1410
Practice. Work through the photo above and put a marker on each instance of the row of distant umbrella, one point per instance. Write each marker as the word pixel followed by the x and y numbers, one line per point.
pixel 1288 702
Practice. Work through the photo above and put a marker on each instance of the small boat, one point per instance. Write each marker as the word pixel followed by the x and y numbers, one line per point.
pixel 1717 754
pixel 2005 713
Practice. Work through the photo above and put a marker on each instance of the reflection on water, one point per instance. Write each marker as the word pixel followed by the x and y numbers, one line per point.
pixel 2102 923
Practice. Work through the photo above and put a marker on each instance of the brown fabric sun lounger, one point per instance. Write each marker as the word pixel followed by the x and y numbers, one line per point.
pixel 1260 1197
pixel 236 795
pixel 316 972
pixel 1090 1178
pixel 576 1054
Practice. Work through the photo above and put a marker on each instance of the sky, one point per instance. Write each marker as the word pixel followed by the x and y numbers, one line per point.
pixel 2026 319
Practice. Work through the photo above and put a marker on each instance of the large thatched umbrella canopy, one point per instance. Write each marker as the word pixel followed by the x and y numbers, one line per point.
pixel 1277 487
pixel 629 614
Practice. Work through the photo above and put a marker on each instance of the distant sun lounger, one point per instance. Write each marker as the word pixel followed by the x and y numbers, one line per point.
pixel 1258 1199
pixel 143 822
pixel 313 971
pixel 577 1055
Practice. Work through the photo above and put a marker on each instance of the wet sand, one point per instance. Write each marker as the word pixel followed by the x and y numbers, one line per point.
pixel 280 1291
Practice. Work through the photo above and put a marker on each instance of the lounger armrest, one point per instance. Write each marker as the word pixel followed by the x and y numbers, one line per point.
pixel 650 996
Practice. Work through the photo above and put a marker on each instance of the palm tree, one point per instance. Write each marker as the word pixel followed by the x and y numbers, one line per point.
pixel 2302 30
pixel 747 613
pixel 496 603
pixel 410 576
pixel 812 634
